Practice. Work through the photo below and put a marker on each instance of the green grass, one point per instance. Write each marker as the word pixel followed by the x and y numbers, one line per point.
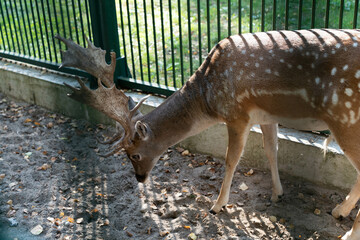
pixel 157 62
pixel 27 28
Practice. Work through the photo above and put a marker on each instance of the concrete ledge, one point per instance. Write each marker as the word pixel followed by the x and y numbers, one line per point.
pixel 300 154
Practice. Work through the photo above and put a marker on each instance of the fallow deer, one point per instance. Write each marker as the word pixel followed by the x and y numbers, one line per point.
pixel 306 79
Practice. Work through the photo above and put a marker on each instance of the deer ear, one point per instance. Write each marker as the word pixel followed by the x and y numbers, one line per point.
pixel 142 129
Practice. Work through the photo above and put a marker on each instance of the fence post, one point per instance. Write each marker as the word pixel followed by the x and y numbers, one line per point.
pixel 105 33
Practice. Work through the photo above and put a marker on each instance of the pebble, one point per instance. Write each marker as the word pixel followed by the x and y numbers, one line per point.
pixel 317 211
pixel 13 222
pixel 37 230
pixel 273 219
pixel 243 187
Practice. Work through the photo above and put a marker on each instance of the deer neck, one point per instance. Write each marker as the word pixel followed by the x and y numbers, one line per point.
pixel 183 114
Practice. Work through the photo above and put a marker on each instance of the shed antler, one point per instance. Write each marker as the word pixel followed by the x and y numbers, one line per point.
pixel 106 98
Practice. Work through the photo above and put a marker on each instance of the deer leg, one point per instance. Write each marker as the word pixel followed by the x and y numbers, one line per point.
pixel 271 147
pixel 344 209
pixel 237 139
pixel 348 140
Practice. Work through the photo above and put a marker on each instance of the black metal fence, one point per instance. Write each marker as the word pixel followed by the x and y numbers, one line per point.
pixel 161 42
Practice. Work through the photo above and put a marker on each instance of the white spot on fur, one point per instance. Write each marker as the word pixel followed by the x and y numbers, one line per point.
pixel 291 50
pixel 312 65
pixel 359 85
pixel 333 51
pixel 330 84
pixel 317 80
pixel 252 55
pixel 348 104
pixel 277 73
pixel 282 60
pixel 334 98
pixel 357 74
pixel 349 92
pixel 355 44
pixel 342 80
pixel 338 45
pixel 333 71
pixel 268 70
pixel 234 63
pixel 257 65
pixel 261 58
pixel 299 67
pixel 352 117
pixel 246 64
pixel 326 55
pixel 243 52
pixel 345 67
pixel 289 65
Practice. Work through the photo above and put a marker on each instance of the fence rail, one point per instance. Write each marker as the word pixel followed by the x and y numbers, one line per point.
pixel 161 42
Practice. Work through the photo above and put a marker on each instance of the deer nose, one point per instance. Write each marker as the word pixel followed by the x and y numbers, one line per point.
pixel 141 178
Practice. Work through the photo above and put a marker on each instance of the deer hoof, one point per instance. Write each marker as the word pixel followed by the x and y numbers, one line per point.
pixel 339 213
pixel 276 198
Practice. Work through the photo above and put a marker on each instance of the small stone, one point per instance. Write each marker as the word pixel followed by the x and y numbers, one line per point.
pixel 273 219
pixel 243 187
pixel 185 153
pixel 79 220
pixel 10 202
pixel 166 164
pixel 317 211
pixel 37 230
pixel 2 176
pixel 301 196
pixel 13 184
pixel 192 236
pixel 13 222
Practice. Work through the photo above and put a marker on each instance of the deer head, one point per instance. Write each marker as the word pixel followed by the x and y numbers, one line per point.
pixel 133 134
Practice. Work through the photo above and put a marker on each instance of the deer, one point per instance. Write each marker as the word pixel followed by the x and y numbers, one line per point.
pixel 301 79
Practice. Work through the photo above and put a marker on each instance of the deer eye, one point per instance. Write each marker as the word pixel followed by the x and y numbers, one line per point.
pixel 135 157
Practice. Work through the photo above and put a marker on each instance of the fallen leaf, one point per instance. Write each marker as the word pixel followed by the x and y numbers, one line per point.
pixel 27 120
pixel 53 159
pixel 44 167
pixel 37 123
pixel 317 211
pixel 71 220
pixel 249 173
pixel 163 234
pixel 129 233
pixel 2 176
pixel 39 148
pixel 62 214
pixel 94 210
pixel 187 227
pixel 50 125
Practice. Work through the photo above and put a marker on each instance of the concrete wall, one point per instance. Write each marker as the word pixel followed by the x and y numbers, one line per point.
pixel 300 154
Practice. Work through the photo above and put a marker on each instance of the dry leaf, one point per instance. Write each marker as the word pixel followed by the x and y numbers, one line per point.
pixel 62 214
pixel 187 227
pixel 71 220
pixel 129 234
pixel 44 167
pixel 27 120
pixel 249 173
pixel 163 234
pixel 37 123
pixel 243 187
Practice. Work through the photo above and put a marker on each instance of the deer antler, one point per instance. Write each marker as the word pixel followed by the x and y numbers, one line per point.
pixel 107 99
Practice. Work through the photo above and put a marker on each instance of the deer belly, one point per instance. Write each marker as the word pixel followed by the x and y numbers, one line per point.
pixel 304 123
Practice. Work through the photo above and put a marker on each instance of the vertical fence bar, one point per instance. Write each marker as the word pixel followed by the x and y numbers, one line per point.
pixel 76 24
pixel 251 17
pixel 163 40
pixel 41 31
pixel 172 45
pixel 89 23
pixel 155 42
pixel 122 29
pixel 327 13
pixel 25 29
pixel 199 31
pixel 239 13
pixel 62 20
pixel 341 14
pixel 218 20
pixel 147 42
pixel 138 40
pixel 6 32
pixel 355 13
pixel 52 30
pixel 262 15
pixel 46 30
pixel 287 14
pixel 56 25
pixel 189 35
pixel 1 31
pixel 35 28
pixel 19 28
pixel 28 20
pixel 11 32
pixel 313 11
pixel 208 25
pixel 181 50
pixel 81 24
pixel 300 14
pixel 229 18
pixel 68 18
pixel 130 38
pixel 274 15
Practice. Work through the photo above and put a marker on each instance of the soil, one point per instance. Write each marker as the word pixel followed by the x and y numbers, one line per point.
pixel 51 175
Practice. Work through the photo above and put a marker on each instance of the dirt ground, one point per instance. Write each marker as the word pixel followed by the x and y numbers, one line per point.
pixel 51 175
